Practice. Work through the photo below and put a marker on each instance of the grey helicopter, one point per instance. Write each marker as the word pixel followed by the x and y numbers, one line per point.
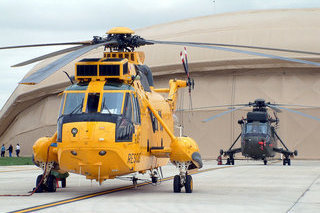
pixel 259 138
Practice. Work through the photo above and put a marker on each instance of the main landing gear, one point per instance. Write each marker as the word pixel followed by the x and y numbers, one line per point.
pixel 184 179
pixel 286 160
pixel 286 154
pixel 230 160
pixel 48 181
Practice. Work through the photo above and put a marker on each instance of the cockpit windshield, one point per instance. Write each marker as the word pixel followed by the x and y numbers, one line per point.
pixel 257 128
pixel 112 103
pixel 74 103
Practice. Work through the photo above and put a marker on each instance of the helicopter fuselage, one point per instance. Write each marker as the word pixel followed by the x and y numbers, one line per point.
pixel 257 141
pixel 104 139
pixel 112 123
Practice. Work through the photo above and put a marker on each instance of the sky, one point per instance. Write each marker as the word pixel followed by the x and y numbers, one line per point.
pixel 48 21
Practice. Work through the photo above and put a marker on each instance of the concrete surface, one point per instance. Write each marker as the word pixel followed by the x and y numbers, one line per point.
pixel 247 187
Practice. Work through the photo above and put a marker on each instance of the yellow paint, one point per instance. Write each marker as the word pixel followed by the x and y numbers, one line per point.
pixel 148 149
pixel 120 30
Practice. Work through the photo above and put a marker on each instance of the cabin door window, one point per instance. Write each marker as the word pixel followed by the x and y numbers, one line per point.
pixel 93 102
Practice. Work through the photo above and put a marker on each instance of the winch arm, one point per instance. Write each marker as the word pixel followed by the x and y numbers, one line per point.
pixel 172 91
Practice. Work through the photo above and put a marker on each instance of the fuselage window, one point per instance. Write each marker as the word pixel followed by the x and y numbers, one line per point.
pixel 127 111
pixel 139 111
pixel 136 110
pixel 161 127
pixel 73 103
pixel 93 102
pixel 112 103
pixel 154 122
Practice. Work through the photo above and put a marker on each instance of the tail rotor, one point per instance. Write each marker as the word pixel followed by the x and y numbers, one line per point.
pixel 190 81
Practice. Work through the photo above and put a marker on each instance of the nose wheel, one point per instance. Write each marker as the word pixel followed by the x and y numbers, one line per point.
pixel 265 161
pixel 156 175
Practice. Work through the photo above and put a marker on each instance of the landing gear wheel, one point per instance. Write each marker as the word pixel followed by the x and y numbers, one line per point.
pixel 154 179
pixel 51 183
pixel 228 161
pixel 63 182
pixel 287 161
pixel 232 161
pixel 177 184
pixel 188 184
pixel 265 162
pixel 41 187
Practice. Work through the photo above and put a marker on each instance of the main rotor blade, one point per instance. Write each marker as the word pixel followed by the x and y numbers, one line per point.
pixel 223 113
pixel 210 107
pixel 273 107
pixel 40 58
pixel 238 46
pixel 296 105
pixel 236 51
pixel 48 70
pixel 50 44
pixel 300 113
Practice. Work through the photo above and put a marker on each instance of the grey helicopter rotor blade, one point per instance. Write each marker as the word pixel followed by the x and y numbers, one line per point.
pixel 48 70
pixel 40 58
pixel 274 108
pixel 296 105
pixel 237 51
pixel 223 113
pixel 210 107
pixel 49 44
pixel 237 46
pixel 300 113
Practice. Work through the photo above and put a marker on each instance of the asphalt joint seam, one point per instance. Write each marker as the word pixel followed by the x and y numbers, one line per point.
pixel 302 195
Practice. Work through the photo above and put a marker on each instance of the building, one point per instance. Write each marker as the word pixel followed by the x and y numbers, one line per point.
pixel 220 77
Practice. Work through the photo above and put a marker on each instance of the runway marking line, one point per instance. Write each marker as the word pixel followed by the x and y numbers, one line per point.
pixel 83 197
pixel 20 170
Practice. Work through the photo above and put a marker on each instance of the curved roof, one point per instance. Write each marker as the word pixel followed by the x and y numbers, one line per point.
pixel 290 29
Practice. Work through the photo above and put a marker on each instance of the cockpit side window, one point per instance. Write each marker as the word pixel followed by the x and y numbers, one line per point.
pixel 73 103
pixel 62 104
pixel 93 102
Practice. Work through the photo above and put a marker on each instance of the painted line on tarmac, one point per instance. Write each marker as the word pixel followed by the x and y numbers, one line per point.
pixel 88 196
pixel 19 170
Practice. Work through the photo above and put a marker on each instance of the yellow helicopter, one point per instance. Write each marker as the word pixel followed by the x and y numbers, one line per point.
pixel 112 121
